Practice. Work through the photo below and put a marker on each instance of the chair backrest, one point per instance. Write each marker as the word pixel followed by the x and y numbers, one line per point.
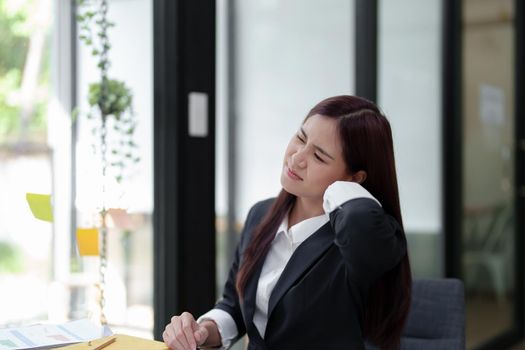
pixel 437 316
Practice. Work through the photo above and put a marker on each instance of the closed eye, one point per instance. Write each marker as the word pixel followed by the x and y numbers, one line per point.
pixel 319 158
pixel 303 137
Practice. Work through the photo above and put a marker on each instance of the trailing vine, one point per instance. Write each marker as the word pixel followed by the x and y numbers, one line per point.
pixel 110 102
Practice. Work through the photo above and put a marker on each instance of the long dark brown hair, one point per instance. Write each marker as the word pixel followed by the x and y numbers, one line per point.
pixel 366 137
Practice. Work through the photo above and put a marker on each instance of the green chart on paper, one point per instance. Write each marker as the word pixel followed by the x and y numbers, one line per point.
pixel 7 342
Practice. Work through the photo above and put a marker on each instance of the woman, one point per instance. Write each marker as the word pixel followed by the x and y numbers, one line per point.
pixel 324 265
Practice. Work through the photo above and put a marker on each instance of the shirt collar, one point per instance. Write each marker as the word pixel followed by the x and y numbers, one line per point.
pixel 299 232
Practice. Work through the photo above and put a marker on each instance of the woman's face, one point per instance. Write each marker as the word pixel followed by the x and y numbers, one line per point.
pixel 313 159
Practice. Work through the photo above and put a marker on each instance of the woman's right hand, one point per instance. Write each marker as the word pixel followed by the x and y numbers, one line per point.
pixel 184 333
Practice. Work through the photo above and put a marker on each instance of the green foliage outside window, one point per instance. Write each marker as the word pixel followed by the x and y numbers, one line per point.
pixel 23 108
pixel 10 258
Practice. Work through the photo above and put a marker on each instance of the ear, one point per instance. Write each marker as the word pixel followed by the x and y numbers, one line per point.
pixel 359 176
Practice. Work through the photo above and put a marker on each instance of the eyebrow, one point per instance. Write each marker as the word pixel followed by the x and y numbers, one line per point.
pixel 317 147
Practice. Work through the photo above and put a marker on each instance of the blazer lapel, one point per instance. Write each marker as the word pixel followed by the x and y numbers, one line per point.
pixel 301 260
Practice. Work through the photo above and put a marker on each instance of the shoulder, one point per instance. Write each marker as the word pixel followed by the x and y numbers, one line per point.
pixel 258 210
pixel 263 206
pixel 254 217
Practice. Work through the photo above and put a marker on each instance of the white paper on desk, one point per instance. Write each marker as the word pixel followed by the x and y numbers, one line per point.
pixel 48 336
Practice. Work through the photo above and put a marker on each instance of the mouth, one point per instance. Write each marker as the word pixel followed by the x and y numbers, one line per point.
pixel 292 174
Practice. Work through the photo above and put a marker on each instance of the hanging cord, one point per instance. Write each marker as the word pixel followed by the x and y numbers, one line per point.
pixel 103 65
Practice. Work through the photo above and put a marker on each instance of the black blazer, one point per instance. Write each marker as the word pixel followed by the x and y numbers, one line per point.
pixel 318 301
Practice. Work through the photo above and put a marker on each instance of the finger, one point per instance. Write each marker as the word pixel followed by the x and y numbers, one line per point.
pixel 167 335
pixel 187 328
pixel 171 328
pixel 169 338
pixel 201 334
pixel 180 335
pixel 174 344
pixel 166 338
pixel 177 338
pixel 196 334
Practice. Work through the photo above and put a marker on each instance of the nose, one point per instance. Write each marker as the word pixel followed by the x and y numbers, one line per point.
pixel 299 159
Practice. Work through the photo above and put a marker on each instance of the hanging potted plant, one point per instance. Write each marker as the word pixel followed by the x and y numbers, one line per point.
pixel 110 111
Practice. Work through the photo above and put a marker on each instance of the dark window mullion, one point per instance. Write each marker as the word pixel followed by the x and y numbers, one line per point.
pixel 184 166
pixel 366 12
pixel 452 135
pixel 519 38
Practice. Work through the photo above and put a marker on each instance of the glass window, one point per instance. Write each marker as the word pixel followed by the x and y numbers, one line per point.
pixel 129 275
pixel 488 258
pixel 41 274
pixel 25 159
pixel 409 91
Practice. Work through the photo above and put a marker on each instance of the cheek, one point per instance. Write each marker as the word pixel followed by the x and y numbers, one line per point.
pixel 326 177
pixel 289 151
pixel 286 154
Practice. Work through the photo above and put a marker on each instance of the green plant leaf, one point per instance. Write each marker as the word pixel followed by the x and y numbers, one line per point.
pixel 10 258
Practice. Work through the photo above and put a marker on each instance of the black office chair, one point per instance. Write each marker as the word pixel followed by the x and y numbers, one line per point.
pixel 437 316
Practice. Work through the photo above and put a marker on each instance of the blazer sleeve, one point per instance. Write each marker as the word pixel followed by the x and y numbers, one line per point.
pixel 230 299
pixel 371 242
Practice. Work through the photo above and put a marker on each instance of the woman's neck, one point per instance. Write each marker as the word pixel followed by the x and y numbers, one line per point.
pixel 303 209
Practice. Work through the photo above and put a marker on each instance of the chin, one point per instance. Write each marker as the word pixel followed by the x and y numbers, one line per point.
pixel 285 185
pixel 290 189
